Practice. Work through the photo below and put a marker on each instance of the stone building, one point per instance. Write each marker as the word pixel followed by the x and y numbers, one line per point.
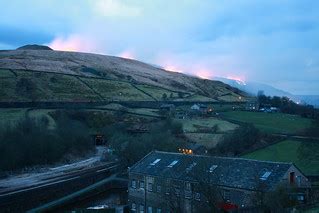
pixel 174 182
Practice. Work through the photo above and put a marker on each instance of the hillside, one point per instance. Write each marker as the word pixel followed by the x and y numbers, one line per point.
pixel 36 73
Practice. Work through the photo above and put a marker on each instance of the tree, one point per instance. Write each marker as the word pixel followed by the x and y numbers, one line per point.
pixel 242 138
pixel 164 96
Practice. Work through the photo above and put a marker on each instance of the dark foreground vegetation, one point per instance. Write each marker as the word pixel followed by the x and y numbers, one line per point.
pixel 30 142
pixel 130 148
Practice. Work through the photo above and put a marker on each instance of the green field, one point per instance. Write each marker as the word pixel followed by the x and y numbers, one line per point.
pixel 42 87
pixel 11 115
pixel 192 125
pixel 287 151
pixel 142 111
pixel 271 122
pixel 206 139
pixel 116 90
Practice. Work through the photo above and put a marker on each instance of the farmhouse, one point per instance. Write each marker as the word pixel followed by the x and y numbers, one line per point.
pixel 200 109
pixel 163 182
pixel 252 105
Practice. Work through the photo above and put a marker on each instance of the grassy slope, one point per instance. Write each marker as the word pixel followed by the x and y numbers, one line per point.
pixel 57 87
pixel 206 139
pixel 11 115
pixel 189 125
pixel 285 151
pixel 47 87
pixel 271 122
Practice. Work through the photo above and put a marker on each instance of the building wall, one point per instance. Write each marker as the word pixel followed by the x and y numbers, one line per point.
pixel 300 180
pixel 168 195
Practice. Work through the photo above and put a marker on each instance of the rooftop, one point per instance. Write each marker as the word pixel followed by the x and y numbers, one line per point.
pixel 224 171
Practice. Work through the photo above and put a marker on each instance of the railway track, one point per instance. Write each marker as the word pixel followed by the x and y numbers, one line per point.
pixel 24 198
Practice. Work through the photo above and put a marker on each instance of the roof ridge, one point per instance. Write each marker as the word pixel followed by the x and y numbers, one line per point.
pixel 222 157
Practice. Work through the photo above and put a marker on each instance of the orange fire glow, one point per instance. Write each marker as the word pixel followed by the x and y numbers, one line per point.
pixel 127 54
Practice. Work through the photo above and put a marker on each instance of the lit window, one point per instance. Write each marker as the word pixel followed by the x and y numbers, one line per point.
pixel 159 211
pixel 173 163
pixel 155 162
pixel 265 176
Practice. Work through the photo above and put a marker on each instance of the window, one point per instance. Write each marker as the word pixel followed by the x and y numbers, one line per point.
pixel 159 188
pixel 300 197
pixel 265 176
pixel 173 163
pixel 188 186
pixel 167 190
pixel 133 184
pixel 197 196
pixel 155 162
pixel 298 180
pixel 149 209
pixel 292 177
pixel 190 167
pixel 142 184
pixel 212 168
pixel 226 195
pixel 177 191
pixel 133 208
pixel 141 208
pixel 150 187
pixel 159 210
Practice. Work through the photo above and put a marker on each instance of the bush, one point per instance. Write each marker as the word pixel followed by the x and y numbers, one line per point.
pixel 131 148
pixel 30 142
pixel 240 140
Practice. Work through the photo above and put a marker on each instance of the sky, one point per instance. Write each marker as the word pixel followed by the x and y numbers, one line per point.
pixel 269 41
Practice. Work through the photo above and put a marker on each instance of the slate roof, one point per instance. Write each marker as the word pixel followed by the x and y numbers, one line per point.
pixel 223 171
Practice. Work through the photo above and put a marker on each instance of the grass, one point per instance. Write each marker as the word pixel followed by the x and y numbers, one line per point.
pixel 157 92
pixel 40 113
pixel 45 87
pixel 115 90
pixel 142 111
pixel 190 125
pixel 287 151
pixel 11 115
pixel 271 122
pixel 205 139
pixel 199 98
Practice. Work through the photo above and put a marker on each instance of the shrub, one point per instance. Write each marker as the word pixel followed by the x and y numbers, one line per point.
pixel 30 142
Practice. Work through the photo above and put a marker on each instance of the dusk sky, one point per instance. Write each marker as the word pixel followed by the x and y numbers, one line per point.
pixel 271 41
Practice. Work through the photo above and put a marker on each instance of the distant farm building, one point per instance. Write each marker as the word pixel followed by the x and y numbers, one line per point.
pixel 201 109
pixel 252 105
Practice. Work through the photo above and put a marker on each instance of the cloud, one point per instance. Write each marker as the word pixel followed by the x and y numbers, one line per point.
pixel 127 54
pixel 274 42
pixel 115 8
pixel 73 43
